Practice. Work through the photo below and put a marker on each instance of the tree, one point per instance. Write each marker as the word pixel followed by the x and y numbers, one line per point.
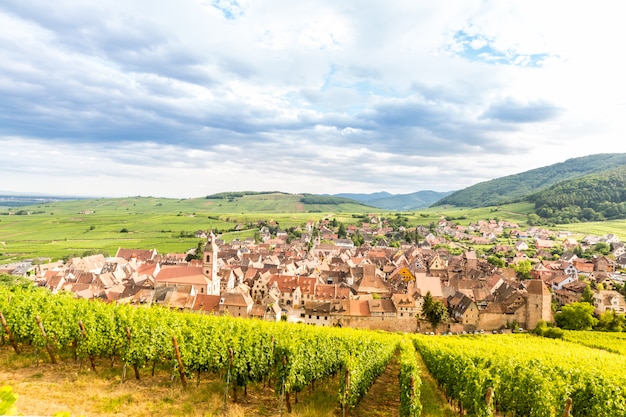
pixel 358 239
pixel 497 261
pixel 576 316
pixel 610 321
pixel 522 268
pixel 433 311
pixel 587 295
pixel 603 248
pixel 341 233
pixel 198 253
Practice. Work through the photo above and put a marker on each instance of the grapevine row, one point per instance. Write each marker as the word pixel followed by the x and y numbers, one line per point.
pixel 246 351
pixel 410 381
pixel 530 376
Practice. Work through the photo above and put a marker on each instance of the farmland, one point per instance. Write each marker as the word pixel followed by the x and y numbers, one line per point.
pixel 61 229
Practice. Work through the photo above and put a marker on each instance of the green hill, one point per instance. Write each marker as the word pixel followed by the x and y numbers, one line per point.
pixel 514 188
pixel 277 202
pixel 594 197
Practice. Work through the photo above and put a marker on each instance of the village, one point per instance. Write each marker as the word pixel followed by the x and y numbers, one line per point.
pixel 326 280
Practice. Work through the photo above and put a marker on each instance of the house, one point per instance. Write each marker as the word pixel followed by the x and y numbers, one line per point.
pixel 172 275
pixel 583 265
pixel 569 244
pixel 371 282
pixel 206 304
pixel 140 255
pixel 464 310
pixel 406 306
pixel 544 244
pixel 609 300
pixel 235 304
pixel 288 288
pixel 382 309
pixel 559 281
pixel 425 283
pixel 178 297
pixel 316 312
pixel 541 271
pixel 603 264
pixel 620 261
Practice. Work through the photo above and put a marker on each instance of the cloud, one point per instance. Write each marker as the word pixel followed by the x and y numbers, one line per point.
pixel 516 112
pixel 315 96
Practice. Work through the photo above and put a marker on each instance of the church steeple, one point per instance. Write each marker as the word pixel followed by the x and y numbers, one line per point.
pixel 209 257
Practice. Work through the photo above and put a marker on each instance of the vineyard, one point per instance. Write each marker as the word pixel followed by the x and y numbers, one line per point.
pixel 481 375
pixel 529 375
pixel 242 352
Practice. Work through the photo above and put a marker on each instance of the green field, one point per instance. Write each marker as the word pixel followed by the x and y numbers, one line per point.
pixel 73 228
pixel 60 229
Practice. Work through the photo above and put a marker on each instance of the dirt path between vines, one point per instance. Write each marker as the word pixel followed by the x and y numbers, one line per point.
pixel 69 387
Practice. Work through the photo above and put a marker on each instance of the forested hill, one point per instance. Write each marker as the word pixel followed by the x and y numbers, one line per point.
pixel 594 197
pixel 517 187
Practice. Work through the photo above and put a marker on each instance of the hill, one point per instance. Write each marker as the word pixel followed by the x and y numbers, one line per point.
pixel 277 202
pixel 594 197
pixel 399 202
pixel 514 188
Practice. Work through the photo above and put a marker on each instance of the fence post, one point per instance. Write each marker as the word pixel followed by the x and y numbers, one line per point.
pixel 489 399
pixel 83 332
pixel 568 407
pixel 181 370
pixel 7 330
pixel 45 338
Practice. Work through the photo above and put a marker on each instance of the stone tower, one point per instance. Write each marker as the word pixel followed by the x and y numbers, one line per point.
pixel 538 303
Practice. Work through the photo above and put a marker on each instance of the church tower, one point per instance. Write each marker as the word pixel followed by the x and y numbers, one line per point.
pixel 209 264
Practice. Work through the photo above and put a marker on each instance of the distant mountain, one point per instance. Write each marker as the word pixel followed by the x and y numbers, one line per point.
pixel 364 198
pixel 19 200
pixel 517 187
pixel 399 202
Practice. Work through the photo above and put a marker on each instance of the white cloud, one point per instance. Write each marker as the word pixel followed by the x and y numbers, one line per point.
pixel 308 96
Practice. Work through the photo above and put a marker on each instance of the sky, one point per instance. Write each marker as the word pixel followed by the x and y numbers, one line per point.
pixel 187 98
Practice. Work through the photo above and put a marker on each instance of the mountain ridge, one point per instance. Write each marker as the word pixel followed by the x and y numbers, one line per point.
pixel 517 187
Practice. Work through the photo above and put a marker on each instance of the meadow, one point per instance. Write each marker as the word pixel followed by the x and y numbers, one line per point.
pixel 58 230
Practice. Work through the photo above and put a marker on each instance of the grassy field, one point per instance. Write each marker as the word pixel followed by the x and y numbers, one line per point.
pixel 73 228
pixel 60 229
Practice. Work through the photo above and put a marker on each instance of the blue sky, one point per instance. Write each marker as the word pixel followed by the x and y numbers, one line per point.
pixel 188 98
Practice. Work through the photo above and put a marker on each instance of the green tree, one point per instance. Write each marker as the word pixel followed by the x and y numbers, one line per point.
pixel 602 248
pixel 358 239
pixel 495 260
pixel 433 311
pixel 523 268
pixel 587 295
pixel 576 316
pixel 341 233
pixel 610 321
